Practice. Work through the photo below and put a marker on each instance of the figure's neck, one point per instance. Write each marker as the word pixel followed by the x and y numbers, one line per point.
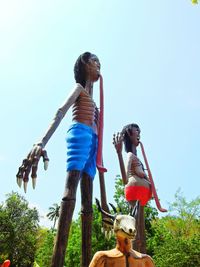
pixel 89 87
pixel 124 245
pixel 134 150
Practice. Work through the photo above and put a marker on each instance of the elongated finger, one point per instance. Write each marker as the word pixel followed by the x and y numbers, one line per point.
pixel 26 175
pixel 27 170
pixel 20 173
pixel 114 139
pixel 45 159
pixel 34 171
pixel 118 137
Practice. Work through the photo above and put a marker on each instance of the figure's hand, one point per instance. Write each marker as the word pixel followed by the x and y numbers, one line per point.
pixel 118 142
pixel 30 164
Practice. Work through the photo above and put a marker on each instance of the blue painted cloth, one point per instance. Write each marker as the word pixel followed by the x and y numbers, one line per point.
pixel 82 145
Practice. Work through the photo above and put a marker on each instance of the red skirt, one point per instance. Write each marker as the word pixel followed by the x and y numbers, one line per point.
pixel 141 193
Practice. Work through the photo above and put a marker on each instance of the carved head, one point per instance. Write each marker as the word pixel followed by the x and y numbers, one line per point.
pixel 124 226
pixel 131 133
pixel 87 67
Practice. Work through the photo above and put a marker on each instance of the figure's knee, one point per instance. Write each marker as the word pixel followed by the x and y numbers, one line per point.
pixel 86 211
pixel 71 185
pixel 86 194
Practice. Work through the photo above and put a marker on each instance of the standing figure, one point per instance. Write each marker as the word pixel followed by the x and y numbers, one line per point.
pixel 82 140
pixel 122 255
pixel 137 184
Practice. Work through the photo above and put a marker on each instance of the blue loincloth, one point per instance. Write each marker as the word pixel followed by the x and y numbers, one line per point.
pixel 82 145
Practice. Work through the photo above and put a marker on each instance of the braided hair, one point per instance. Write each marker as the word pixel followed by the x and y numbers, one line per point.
pixel 79 67
pixel 126 131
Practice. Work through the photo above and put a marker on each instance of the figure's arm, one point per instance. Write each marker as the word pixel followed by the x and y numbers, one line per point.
pixel 117 142
pixel 30 163
pixel 59 116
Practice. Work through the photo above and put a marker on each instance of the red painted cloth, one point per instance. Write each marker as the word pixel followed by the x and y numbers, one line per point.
pixel 141 193
pixel 6 263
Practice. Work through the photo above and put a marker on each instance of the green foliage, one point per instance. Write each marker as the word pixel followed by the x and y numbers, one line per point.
pixel 53 214
pixel 175 250
pixel 18 229
pixel 176 241
pixel 119 195
pixel 99 242
pixel 194 1
pixel 45 242
pixel 74 245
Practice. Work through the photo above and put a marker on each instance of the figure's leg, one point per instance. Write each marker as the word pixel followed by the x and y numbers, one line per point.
pixel 141 228
pixel 65 218
pixel 86 218
pixel 139 244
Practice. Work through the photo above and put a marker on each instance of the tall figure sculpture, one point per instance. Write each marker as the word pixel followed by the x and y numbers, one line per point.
pixel 84 153
pixel 138 186
pixel 136 181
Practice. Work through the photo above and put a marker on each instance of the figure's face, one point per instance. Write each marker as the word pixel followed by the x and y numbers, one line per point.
pixel 134 135
pixel 93 69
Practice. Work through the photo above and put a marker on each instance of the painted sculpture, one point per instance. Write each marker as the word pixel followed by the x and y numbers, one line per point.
pixel 122 255
pixel 6 263
pixel 84 154
pixel 138 185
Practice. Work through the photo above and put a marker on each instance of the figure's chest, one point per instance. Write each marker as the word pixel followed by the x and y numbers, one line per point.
pixel 122 262
pixel 85 99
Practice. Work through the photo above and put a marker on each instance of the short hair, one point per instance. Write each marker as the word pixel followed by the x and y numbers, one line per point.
pixel 79 68
pixel 127 142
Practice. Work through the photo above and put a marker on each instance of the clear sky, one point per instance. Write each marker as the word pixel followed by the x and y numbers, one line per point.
pixel 150 57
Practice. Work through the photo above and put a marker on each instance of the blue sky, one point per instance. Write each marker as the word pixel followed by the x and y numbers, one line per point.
pixel 150 57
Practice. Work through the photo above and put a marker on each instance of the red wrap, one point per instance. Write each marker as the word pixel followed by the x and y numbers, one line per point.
pixel 141 193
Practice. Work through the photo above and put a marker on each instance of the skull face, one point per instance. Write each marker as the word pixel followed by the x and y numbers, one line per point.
pixel 125 226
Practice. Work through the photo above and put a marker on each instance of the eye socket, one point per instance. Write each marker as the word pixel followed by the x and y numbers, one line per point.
pixel 117 221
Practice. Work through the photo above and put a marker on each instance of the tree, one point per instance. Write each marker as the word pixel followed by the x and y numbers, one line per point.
pixel 45 241
pixel 176 237
pixel 53 214
pixel 99 242
pixel 18 229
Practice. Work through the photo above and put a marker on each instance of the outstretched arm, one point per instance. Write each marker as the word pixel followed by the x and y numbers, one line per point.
pixel 117 142
pixel 30 163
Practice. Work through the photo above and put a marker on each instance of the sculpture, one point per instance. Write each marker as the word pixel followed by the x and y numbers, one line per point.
pixel 138 186
pixel 84 153
pixel 122 255
pixel 6 263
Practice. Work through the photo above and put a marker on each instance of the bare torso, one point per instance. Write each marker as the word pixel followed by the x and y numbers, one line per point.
pixel 84 110
pixel 135 171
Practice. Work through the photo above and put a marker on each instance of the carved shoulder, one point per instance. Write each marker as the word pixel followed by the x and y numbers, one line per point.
pixel 71 98
pixel 98 259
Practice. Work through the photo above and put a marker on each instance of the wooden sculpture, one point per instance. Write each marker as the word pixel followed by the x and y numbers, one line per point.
pixel 84 153
pixel 138 185
pixel 122 255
